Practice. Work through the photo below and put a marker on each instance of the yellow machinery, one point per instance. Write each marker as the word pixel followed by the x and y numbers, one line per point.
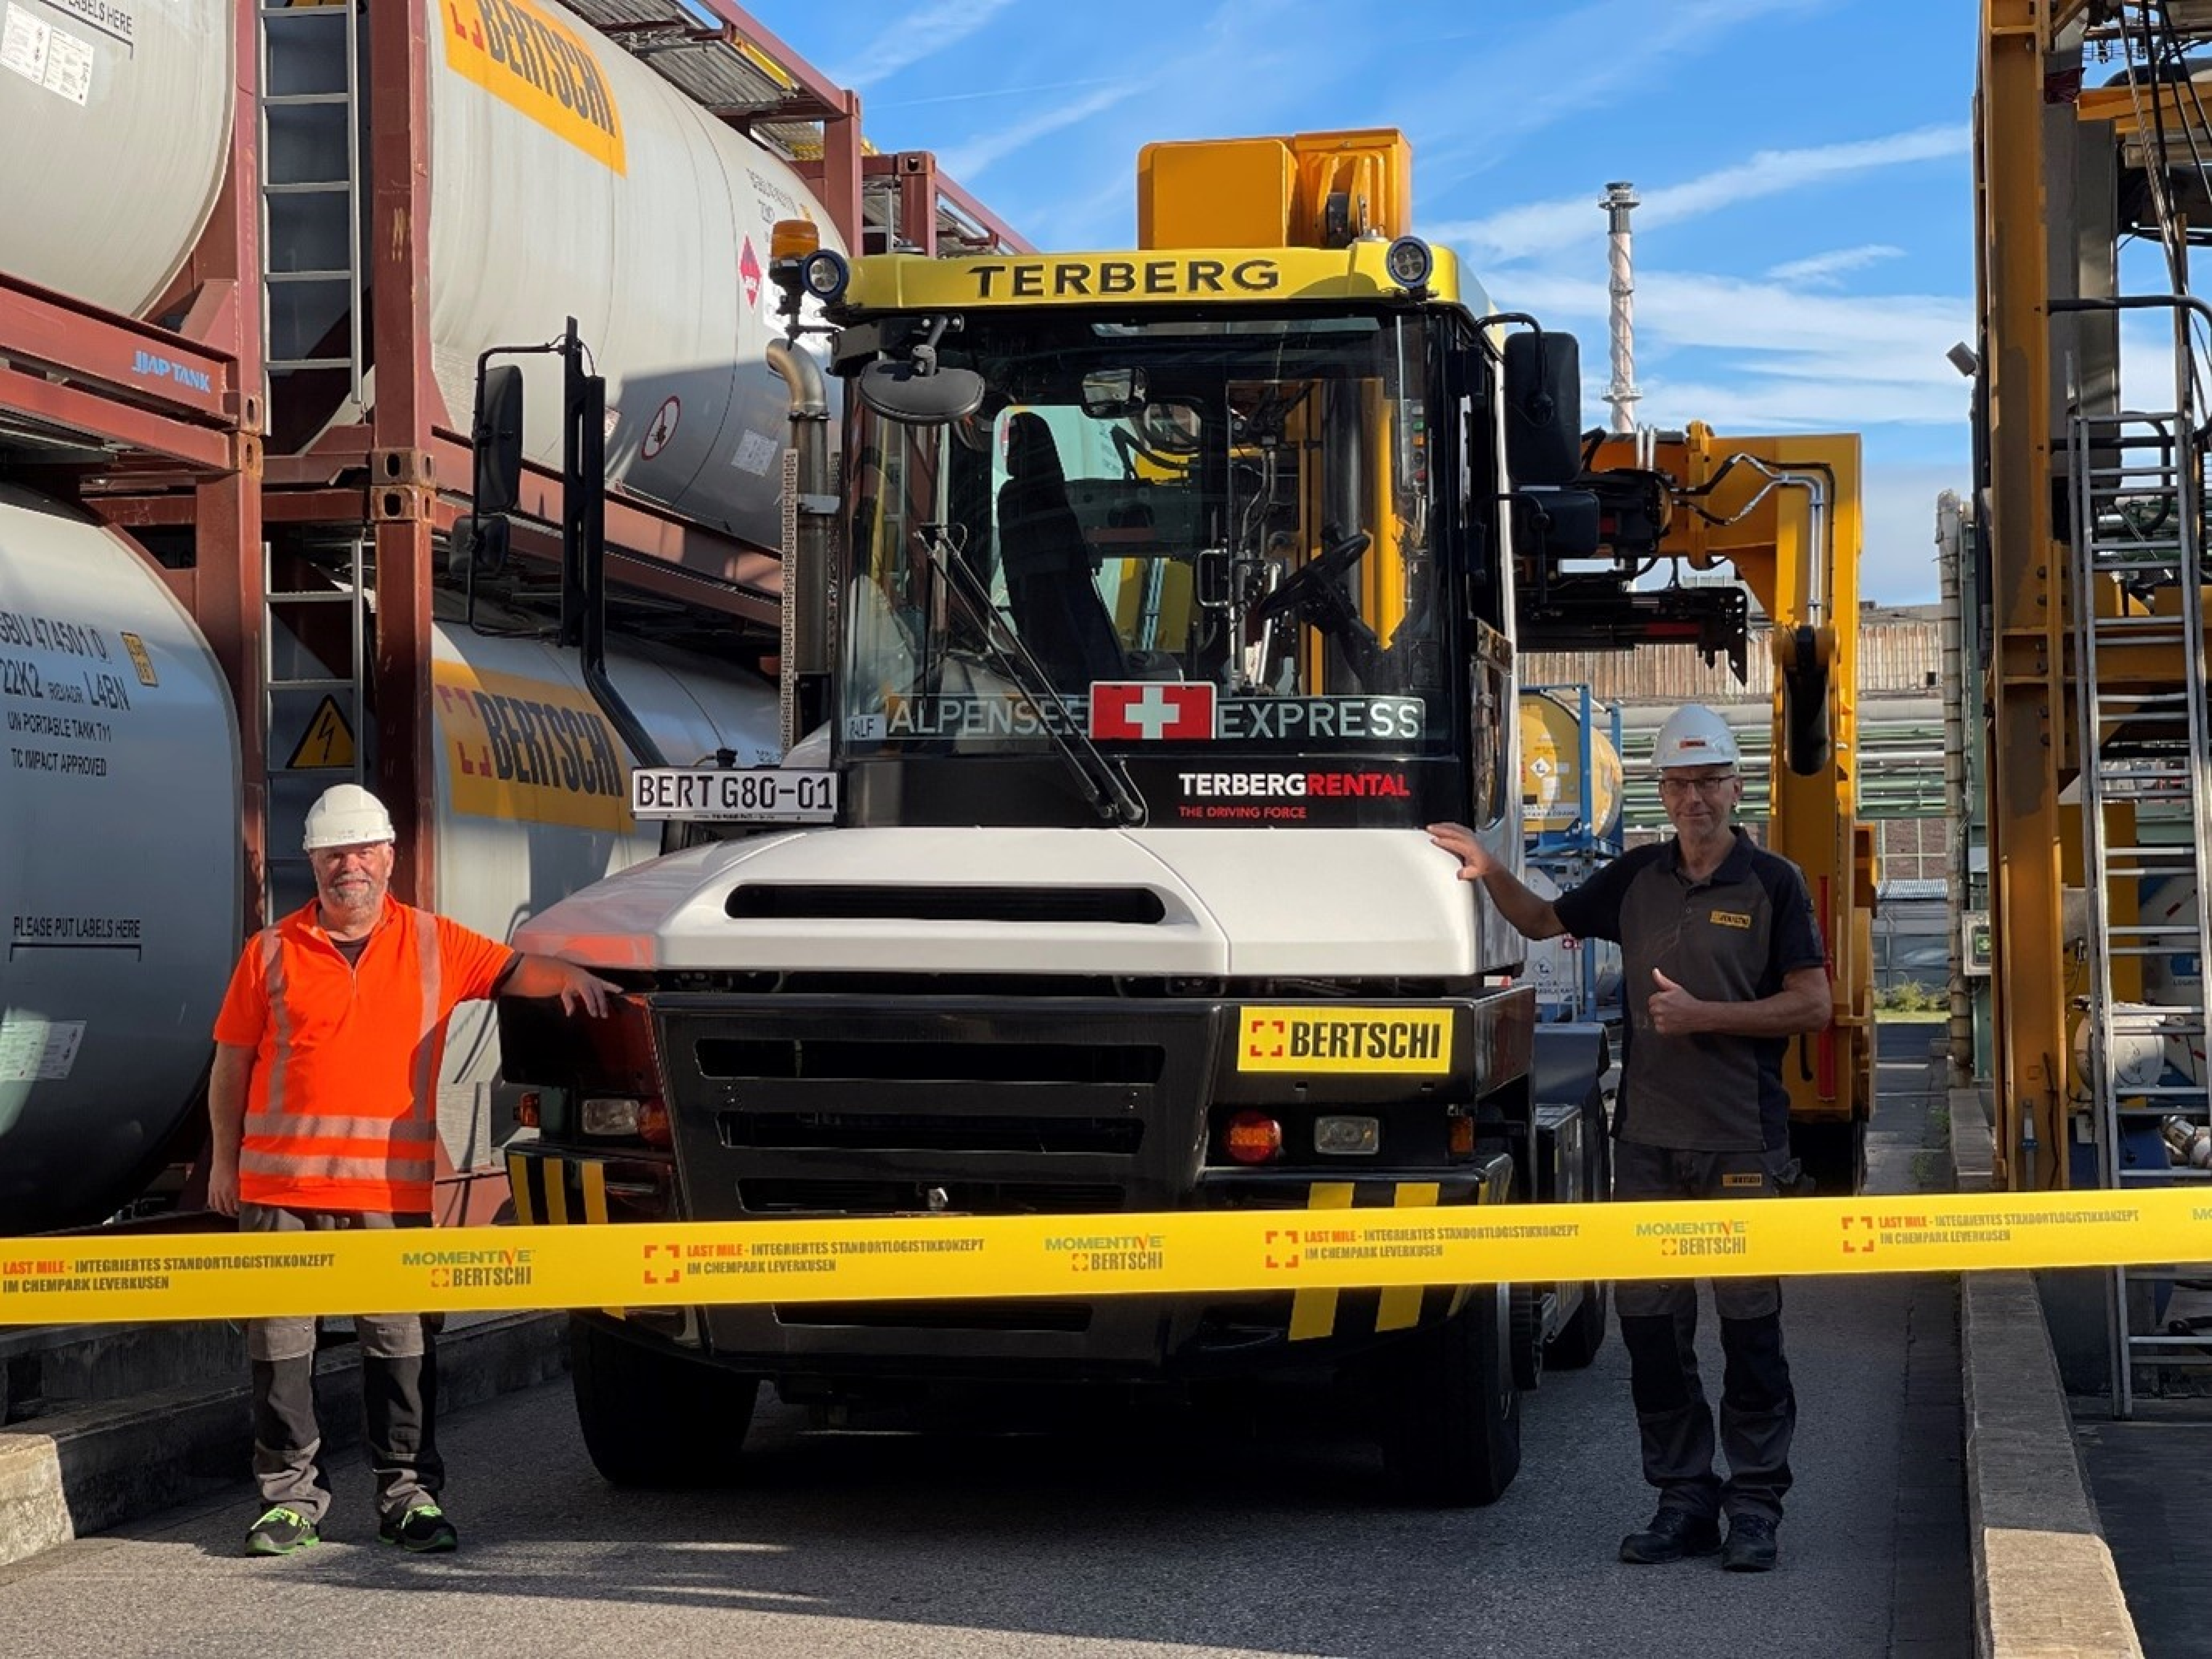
pixel 2088 563
pixel 1785 513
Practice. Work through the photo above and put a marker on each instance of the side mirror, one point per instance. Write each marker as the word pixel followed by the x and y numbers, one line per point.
pixel 1543 408
pixel 1567 521
pixel 1109 394
pixel 497 483
pixel 478 547
pixel 1172 428
pixel 916 394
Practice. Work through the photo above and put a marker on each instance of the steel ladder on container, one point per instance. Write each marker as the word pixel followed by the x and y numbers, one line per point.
pixel 312 140
pixel 315 590
pixel 2140 679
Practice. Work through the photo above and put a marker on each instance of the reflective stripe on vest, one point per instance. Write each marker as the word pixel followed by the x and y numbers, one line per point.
pixel 323 1125
pixel 272 975
pixel 300 1165
pixel 430 962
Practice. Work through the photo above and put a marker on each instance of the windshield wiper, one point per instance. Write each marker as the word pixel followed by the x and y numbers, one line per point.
pixel 1105 781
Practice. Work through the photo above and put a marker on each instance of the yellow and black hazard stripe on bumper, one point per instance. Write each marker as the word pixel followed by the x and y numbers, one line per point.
pixel 553 1191
pixel 1315 1310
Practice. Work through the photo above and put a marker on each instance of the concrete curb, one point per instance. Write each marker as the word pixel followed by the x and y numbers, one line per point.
pixel 2045 1584
pixel 99 1466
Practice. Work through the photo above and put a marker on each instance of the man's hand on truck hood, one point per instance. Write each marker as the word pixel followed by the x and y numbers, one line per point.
pixel 1476 860
pixel 577 986
pixel 1530 916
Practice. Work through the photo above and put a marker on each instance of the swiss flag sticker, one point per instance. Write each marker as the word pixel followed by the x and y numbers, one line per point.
pixel 1149 711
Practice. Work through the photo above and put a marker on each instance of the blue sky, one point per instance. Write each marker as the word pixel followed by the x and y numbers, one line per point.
pixel 1805 251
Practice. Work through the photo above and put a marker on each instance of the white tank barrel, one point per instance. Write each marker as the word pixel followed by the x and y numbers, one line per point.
pixel 120 881
pixel 569 179
pixel 566 179
pixel 117 134
pixel 119 816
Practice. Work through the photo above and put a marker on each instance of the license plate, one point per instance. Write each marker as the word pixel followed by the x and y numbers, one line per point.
pixel 711 794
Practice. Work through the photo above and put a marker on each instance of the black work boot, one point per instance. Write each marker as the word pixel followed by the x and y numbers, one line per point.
pixel 1675 1535
pixel 1750 1546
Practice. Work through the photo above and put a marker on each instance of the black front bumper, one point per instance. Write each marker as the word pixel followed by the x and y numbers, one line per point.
pixel 810 1106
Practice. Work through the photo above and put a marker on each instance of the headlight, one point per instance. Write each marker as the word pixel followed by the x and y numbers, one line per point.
pixel 1410 263
pixel 610 1114
pixel 826 275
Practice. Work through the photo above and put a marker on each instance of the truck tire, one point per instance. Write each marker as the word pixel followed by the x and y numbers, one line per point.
pixel 1451 1414
pixel 1834 1155
pixel 653 1420
pixel 1578 1342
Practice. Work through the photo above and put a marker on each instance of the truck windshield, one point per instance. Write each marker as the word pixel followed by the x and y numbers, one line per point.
pixel 1201 531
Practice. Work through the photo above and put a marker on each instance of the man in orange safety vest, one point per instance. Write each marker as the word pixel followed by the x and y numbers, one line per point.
pixel 323 1108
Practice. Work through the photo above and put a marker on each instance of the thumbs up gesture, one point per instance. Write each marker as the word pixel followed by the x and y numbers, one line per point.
pixel 1672 1010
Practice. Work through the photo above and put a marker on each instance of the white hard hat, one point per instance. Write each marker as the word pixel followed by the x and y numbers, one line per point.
pixel 1693 735
pixel 346 815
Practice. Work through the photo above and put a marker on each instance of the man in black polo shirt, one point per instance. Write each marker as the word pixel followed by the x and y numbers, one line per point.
pixel 1722 964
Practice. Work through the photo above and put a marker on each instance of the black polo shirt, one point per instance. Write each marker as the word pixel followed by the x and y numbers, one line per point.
pixel 1730 938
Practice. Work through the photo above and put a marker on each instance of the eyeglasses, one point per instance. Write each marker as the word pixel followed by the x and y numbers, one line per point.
pixel 330 858
pixel 1712 785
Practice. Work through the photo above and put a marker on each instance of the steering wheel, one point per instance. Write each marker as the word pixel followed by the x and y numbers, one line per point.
pixel 1313 580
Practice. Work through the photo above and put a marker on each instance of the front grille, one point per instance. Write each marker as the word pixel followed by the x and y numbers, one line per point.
pixel 796 901
pixel 939 1316
pixel 904 1131
pixel 818 1058
pixel 769 1196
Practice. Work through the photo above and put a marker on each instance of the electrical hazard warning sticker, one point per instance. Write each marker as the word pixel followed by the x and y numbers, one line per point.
pixel 327 741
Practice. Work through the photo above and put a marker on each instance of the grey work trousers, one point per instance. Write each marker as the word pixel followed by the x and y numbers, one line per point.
pixel 1659 1327
pixel 398 1389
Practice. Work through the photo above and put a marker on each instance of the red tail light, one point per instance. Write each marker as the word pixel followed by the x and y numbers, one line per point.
pixel 1253 1138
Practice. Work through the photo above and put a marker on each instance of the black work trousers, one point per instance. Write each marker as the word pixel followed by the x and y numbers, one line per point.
pixel 399 1390
pixel 1659 1327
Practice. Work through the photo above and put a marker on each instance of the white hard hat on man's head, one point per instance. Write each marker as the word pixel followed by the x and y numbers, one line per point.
pixel 1694 735
pixel 346 815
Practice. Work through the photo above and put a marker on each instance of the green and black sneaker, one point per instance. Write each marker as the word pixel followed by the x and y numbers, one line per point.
pixel 423 1530
pixel 281 1531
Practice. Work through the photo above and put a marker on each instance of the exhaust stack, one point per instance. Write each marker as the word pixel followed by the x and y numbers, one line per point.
pixel 1619 202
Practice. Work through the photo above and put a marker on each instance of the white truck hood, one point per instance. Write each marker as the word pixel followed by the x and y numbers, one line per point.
pixel 1232 903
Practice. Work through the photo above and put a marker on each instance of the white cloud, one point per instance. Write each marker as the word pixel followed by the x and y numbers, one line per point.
pixel 1898 565
pixel 1763 357
pixel 1084 196
pixel 1821 270
pixel 924 34
pixel 1461 124
pixel 876 107
pixel 1547 227
pixel 969 161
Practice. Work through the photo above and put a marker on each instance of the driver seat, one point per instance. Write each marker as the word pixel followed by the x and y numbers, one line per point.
pixel 1049 585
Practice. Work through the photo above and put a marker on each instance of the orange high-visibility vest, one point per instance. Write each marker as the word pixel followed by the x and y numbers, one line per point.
pixel 342 1107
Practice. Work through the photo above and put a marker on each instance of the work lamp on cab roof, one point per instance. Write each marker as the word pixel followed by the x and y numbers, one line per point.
pixel 796 255
pixel 1410 263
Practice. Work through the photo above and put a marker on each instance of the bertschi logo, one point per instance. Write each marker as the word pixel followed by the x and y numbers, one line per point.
pixel 1382 1039
pixel 533 61
pixel 1111 1253
pixel 465 1270
pixel 1697 1239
